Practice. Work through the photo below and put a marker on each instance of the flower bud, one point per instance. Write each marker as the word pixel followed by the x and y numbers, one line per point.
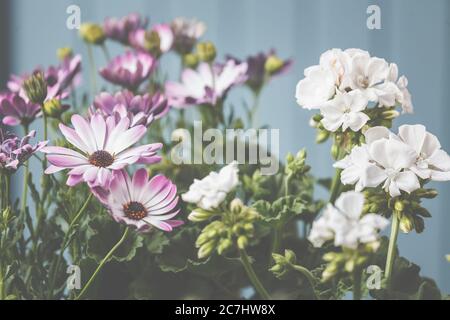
pixel 406 223
pixel 427 193
pixel 92 33
pixel 36 88
pixel 242 242
pixel 206 51
pixel 153 42
pixel 290 256
pixel 349 265
pixel 276 268
pixel 64 53
pixel 236 206
pixel 224 245
pixel 273 64
pixel 202 239
pixel 206 249
pixel 199 215
pixel 390 114
pixel 334 151
pixel 278 258
pixel 190 60
pixel 322 136
pixel 54 109
pixel 399 206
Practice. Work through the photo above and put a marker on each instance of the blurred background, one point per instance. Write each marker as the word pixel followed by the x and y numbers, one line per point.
pixel 414 34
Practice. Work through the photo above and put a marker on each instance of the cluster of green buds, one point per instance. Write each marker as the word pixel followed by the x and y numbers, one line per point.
pixel 340 264
pixel 232 230
pixel 35 87
pixel 64 53
pixel 382 116
pixel 153 42
pixel 92 33
pixel 296 166
pixel 53 108
pixel 206 51
pixel 406 207
pixel 273 64
pixel 283 263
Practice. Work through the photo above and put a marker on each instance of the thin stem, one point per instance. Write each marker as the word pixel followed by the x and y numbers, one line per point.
pixel 335 185
pixel 357 276
pixel 391 249
pixel 308 276
pixel 102 263
pixel 252 275
pixel 26 173
pixel 55 267
pixel 93 69
pixel 106 52
pixel 255 108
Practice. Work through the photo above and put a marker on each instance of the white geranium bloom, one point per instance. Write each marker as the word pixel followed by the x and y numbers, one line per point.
pixel 345 111
pixel 212 190
pixel 344 224
pixel 359 169
pixel 394 159
pixel 367 73
pixel 431 161
pixel 316 88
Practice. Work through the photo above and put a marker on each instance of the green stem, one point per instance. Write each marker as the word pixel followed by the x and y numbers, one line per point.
pixel 391 249
pixel 357 277
pixel 335 186
pixel 93 69
pixel 252 275
pixel 26 173
pixel 55 267
pixel 106 52
pixel 308 276
pixel 255 108
pixel 102 263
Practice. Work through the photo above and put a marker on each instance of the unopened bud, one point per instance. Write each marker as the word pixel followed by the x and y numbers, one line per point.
pixel 200 215
pixel 236 206
pixel 206 51
pixel 64 53
pixel 242 242
pixel 390 114
pixel 36 88
pixel 273 64
pixel 54 109
pixel 206 249
pixel 406 224
pixel 190 60
pixel 290 256
pixel 92 33
pixel 322 136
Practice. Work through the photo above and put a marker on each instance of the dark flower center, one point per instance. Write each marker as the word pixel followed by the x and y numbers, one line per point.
pixel 101 158
pixel 135 210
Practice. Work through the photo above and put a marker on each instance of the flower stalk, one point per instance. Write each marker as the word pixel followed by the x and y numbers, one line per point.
pixel 101 264
pixel 252 275
pixel 391 249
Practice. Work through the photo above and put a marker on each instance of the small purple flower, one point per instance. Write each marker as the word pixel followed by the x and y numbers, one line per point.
pixel 143 203
pixel 129 70
pixel 257 68
pixel 141 39
pixel 105 147
pixel 139 109
pixel 15 151
pixel 120 29
pixel 60 79
pixel 186 33
pixel 17 110
pixel 206 85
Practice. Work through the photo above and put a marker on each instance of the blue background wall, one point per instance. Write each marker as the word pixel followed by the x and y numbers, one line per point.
pixel 414 34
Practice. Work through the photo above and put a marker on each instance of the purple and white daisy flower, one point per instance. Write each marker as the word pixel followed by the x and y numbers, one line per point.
pixel 138 39
pixel 15 151
pixel 140 109
pixel 17 110
pixel 105 147
pixel 120 29
pixel 129 70
pixel 186 33
pixel 206 85
pixel 143 203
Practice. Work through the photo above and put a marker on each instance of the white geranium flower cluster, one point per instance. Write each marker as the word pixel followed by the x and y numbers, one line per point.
pixel 344 84
pixel 396 161
pixel 212 190
pixel 344 224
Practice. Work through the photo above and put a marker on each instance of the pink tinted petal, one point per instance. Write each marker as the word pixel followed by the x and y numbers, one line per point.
pixel 115 132
pixel 175 223
pixel 90 175
pixel 139 181
pixel 159 224
pixel 166 209
pixel 65 161
pixel 84 131
pixel 80 170
pixel 166 216
pixel 73 180
pixel 155 186
pixel 164 201
pixel 128 138
pixel 62 151
pixel 11 121
pixel 74 139
pixel 53 169
pixel 98 126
